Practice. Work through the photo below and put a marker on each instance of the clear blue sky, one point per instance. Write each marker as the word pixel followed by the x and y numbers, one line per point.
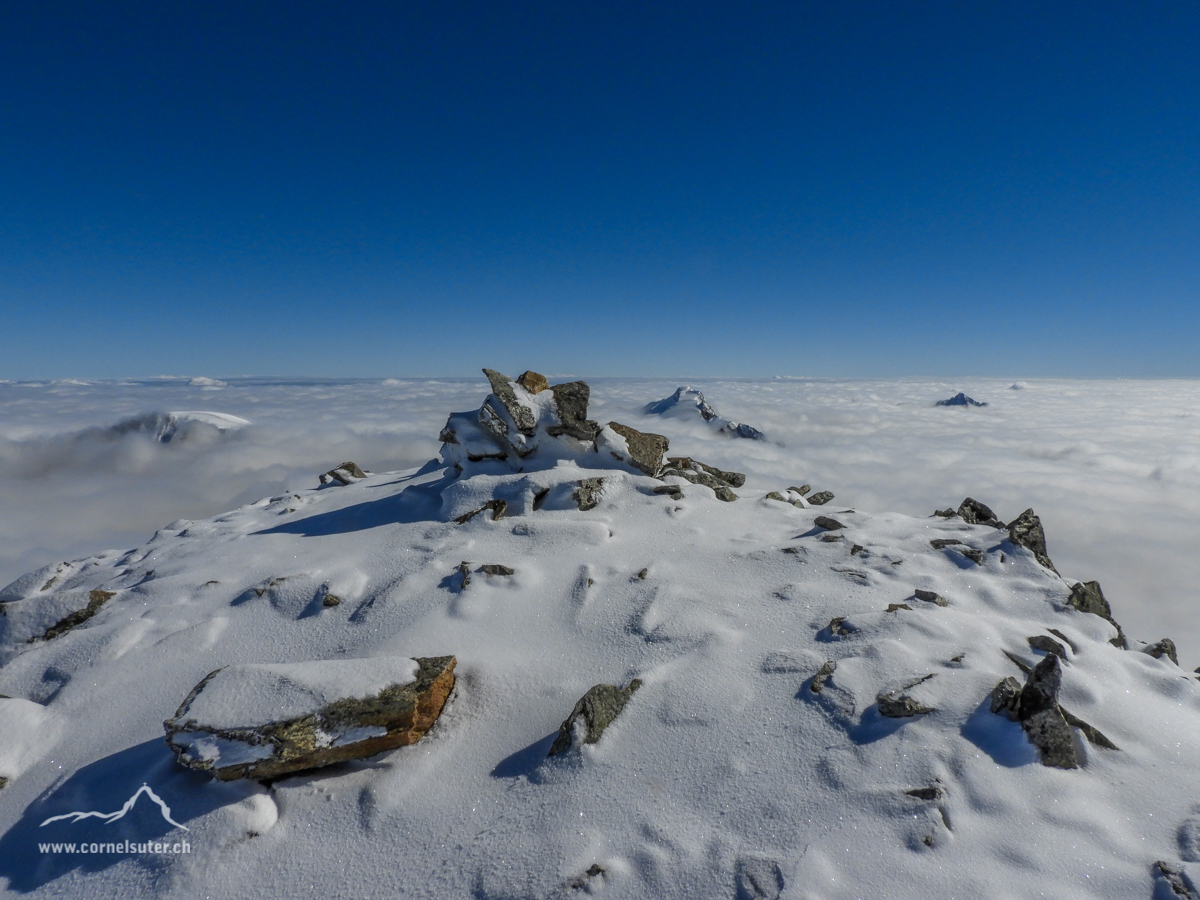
pixel 609 188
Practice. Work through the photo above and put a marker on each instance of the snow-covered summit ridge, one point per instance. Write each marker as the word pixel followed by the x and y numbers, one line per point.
pixel 165 427
pixel 687 402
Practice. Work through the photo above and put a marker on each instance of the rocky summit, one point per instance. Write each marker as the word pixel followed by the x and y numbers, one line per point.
pixel 567 657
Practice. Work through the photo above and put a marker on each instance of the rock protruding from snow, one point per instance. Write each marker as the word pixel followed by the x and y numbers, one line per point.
pixel 1159 649
pixel 1040 716
pixel 571 399
pixel 1087 597
pixel 593 713
pixel 820 498
pixel 1026 531
pixel 687 403
pixel 640 449
pixel 720 481
pixel 264 721
pixel 533 382
pixel 346 473
pixel 587 494
pixel 973 512
pixel 960 399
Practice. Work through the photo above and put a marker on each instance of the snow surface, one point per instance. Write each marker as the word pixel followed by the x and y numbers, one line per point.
pixel 724 768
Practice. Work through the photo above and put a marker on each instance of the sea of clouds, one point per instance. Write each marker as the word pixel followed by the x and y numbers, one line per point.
pixel 1112 467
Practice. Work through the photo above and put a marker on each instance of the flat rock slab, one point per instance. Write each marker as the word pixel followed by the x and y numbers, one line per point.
pixel 266 721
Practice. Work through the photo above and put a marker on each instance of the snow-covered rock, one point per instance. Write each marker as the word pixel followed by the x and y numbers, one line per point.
pixel 170 426
pixel 687 403
pixel 960 399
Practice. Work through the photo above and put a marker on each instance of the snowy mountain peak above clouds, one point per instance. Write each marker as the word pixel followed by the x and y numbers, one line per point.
pixel 687 402
pixel 166 427
pixel 830 703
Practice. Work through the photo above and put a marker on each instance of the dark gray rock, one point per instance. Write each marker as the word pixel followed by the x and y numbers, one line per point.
pixel 857 549
pixel 1026 531
pixel 1087 597
pixel 960 399
pixel 1091 732
pixel 733 479
pixel 1006 697
pixel 775 495
pixel 898 705
pixel 596 709
pixel 1043 721
pixel 502 388
pixel 742 430
pixel 587 495
pixel 674 491
pixel 802 490
pixel 464 569
pixel 496 569
pixel 976 556
pixel 930 597
pixel 571 400
pixel 331 600
pixel 942 543
pixel 645 449
pixel 896 607
pixel 1047 645
pixel 1165 647
pixel 827 523
pixel 973 512
pixel 1062 637
pixel 947 513
pixel 836 628
pixel 820 498
pixel 719 481
pixel 539 498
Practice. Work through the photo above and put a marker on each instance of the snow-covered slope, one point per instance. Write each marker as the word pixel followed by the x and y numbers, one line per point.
pixel 688 403
pixel 725 775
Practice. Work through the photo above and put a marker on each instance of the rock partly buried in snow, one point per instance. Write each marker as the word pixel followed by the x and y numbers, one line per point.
pixel 1165 647
pixel 96 599
pixel 571 399
pixel 820 498
pixel 688 403
pixel 1040 716
pixel 1087 597
pixel 931 597
pixel 1047 645
pixel 960 399
pixel 1026 531
pixel 346 473
pixel 641 449
pixel 497 506
pixel 721 482
pixel 587 494
pixel 827 523
pixel 593 713
pixel 266 721
pixel 898 704
pixel 973 512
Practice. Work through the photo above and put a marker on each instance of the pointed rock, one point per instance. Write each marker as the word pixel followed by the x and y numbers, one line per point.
pixel 973 512
pixel 596 710
pixel 502 388
pixel 1043 721
pixel 1087 597
pixel 1026 531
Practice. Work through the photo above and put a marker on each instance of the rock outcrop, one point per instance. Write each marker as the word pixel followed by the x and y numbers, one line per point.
pixel 1087 597
pixel 973 512
pixel 1026 531
pixel 721 482
pixel 1035 707
pixel 593 713
pixel 1159 649
pixel 266 721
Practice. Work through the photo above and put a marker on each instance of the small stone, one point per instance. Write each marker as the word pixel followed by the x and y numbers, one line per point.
pixel 836 627
pixel 1066 640
pixel 940 543
pixel 947 513
pixel 533 382
pixel 464 569
pixel 331 600
pixel 596 709
pixel 643 573
pixel 802 490
pixel 898 705
pixel 894 607
pixel 856 549
pixel 775 495
pixel 539 498
pixel 1165 647
pixel 930 597
pixel 820 498
pixel 1006 697
pixel 830 538
pixel 3 782
pixel 1048 645
pixel 827 523
pixel 496 569
pixel 1026 531
pixel 826 670
pixel 794 550
pixel 587 495
pixel 972 554
pixel 973 512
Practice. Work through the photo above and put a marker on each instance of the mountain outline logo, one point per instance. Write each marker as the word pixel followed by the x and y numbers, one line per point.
pixel 109 818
